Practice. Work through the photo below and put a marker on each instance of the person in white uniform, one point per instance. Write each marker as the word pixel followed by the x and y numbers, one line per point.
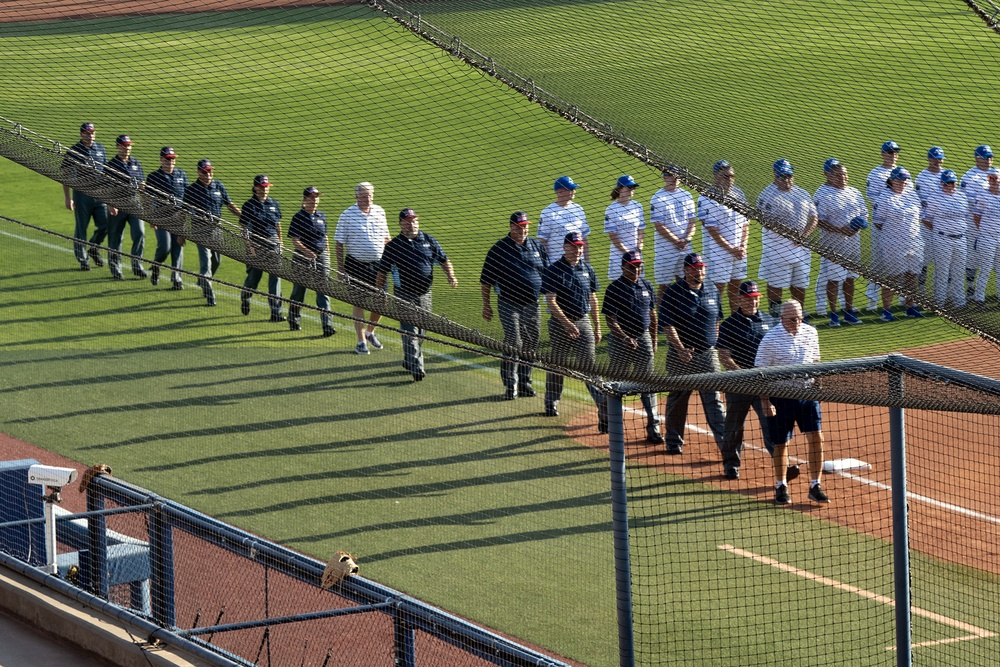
pixel 949 218
pixel 874 185
pixel 842 214
pixel 562 217
pixel 928 184
pixel 897 217
pixel 972 183
pixel 672 212
pixel 986 216
pixel 624 223
pixel 726 234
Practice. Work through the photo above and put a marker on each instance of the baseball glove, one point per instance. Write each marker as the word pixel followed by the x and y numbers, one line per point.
pixel 339 567
pixel 92 472
pixel 859 223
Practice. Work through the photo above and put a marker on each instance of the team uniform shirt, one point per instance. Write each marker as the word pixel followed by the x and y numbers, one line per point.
pixel 741 335
pixel 572 286
pixel 172 185
pixel 515 271
pixel 209 198
pixel 363 236
pixel 792 210
pixel 556 222
pixel 693 313
pixel 414 258
pixel 309 229
pixel 928 184
pixel 949 215
pixel 627 222
pixel 729 223
pixel 131 169
pixel 673 210
pixel 974 180
pixel 80 159
pixel 899 215
pixel 988 207
pixel 780 348
pixel 631 304
pixel 262 219
pixel 838 207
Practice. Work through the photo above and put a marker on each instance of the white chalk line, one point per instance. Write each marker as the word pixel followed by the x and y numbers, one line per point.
pixel 975 632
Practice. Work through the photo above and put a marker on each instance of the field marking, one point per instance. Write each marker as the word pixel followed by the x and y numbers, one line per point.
pixel 975 632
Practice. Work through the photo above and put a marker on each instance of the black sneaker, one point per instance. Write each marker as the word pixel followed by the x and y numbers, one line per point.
pixel 139 272
pixel 328 331
pixel 294 326
pixel 525 391
pixel 653 436
pixel 781 495
pixel 277 317
pixel 509 394
pixel 674 451
pixel 419 376
pixel 96 257
pixel 791 472
pixel 116 275
pixel 732 473
pixel 551 411
pixel 177 285
pixel 210 301
pixel 816 494
pixel 245 306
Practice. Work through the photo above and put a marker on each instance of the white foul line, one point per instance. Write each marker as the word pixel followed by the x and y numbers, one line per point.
pixel 976 632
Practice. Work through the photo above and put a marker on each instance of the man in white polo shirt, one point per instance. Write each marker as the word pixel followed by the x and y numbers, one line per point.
pixel 361 236
pixel 792 342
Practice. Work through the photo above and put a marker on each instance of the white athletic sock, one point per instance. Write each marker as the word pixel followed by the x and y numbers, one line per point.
pixel 813 483
pixel 780 483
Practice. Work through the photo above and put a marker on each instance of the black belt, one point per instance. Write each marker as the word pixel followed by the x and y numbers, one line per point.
pixel 952 236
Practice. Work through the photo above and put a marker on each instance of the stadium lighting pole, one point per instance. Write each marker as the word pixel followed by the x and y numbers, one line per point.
pixel 619 522
pixel 900 524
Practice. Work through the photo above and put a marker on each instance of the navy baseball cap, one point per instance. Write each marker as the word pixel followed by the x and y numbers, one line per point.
pixel 574 238
pixel 627 181
pixel 564 183
pixel 87 127
pixel 205 165
pixel 407 213
pixel 935 153
pixel 984 151
pixel 519 218
pixel 632 257
pixel 720 165
pixel 949 176
pixel 123 140
pixel 693 259
pixel 831 164
pixel 167 151
pixel 783 168
pixel 749 288
pixel 891 147
pixel 900 174
pixel 311 191
pixel 262 180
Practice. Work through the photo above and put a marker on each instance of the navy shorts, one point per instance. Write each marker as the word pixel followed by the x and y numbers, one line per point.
pixel 788 413
pixel 364 271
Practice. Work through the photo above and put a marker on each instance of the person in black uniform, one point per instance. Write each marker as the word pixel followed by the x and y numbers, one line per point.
pixel 570 287
pixel 167 181
pixel 689 313
pixel 630 311
pixel 261 221
pixel 307 231
pixel 130 171
pixel 81 159
pixel 208 195
pixel 514 268
pixel 412 253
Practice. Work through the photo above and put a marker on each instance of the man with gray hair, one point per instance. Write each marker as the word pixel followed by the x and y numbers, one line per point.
pixel 361 236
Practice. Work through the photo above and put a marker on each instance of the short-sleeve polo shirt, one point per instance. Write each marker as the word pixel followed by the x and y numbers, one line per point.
pixel 693 313
pixel 572 285
pixel 631 304
pixel 414 258
pixel 515 270
pixel 310 229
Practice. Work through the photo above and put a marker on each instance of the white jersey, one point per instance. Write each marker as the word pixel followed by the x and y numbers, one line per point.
pixel 674 210
pixel 972 181
pixel 556 222
pixel 627 222
pixel 792 210
pixel 949 214
pixel 837 207
pixel 988 207
pixel 363 236
pixel 899 215
pixel 727 222
pixel 875 183
pixel 928 184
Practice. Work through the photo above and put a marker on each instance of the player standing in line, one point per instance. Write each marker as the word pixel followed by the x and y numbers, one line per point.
pixel 842 214
pixel 208 195
pixel 82 157
pixel 570 286
pixel 514 267
pixel 562 217
pixel 792 341
pixel 624 223
pixel 168 181
pixel 630 311
pixel 361 236
pixel 727 234
pixel 311 253
pixel 972 183
pixel 261 222
pixel 897 217
pixel 987 219
pixel 413 254
pixel 672 212
pixel 949 217
pixel 874 185
pixel 783 262
pixel 928 184
pixel 131 171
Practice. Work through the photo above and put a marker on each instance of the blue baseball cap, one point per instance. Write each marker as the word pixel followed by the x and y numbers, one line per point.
pixel 632 257
pixel 949 176
pixel 575 238
pixel 720 165
pixel 693 259
pixel 783 168
pixel 831 164
pixel 935 153
pixel 627 181
pixel 564 183
pixel 519 218
pixel 900 174
pixel 984 151
pixel 891 147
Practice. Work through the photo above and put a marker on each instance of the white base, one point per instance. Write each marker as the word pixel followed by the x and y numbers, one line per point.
pixel 837 465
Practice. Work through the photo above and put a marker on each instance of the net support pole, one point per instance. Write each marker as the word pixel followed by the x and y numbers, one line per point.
pixel 619 522
pixel 900 525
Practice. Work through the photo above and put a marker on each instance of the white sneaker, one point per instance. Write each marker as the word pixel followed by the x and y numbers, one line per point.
pixel 362 348
pixel 372 340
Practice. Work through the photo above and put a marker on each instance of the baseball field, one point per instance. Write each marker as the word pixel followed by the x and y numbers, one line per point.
pixel 439 489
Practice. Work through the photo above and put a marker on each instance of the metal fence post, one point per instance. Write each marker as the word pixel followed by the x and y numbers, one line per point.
pixel 161 567
pixel 900 525
pixel 405 640
pixel 94 562
pixel 619 520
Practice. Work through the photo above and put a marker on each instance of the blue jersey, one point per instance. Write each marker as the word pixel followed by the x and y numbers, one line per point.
pixel 515 271
pixel 414 258
pixel 208 198
pixel 262 218
pixel 131 169
pixel 572 285
pixel 170 185
pixel 310 229
pixel 79 159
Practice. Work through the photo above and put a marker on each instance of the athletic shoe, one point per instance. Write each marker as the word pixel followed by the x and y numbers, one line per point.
pixel 139 272
pixel 782 497
pixel 96 256
pixel 525 391
pixel 116 275
pixel 277 317
pixel 551 411
pixel 653 436
pixel 834 320
pixel 177 285
pixel 887 316
pixel 154 275
pixel 85 266
pixel 675 451
pixel 419 376
pixel 328 331
pixel 816 494
pixel 791 472
pixel 509 394
pixel 913 311
pixel 373 340
pixel 851 318
pixel 210 301
pixel 245 306
pixel 732 473
pixel 361 348
pixel 294 326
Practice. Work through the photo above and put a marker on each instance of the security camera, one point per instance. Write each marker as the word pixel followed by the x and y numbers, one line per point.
pixel 51 475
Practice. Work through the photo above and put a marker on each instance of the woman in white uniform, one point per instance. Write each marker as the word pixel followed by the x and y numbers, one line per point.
pixel 901 250
pixel 624 222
